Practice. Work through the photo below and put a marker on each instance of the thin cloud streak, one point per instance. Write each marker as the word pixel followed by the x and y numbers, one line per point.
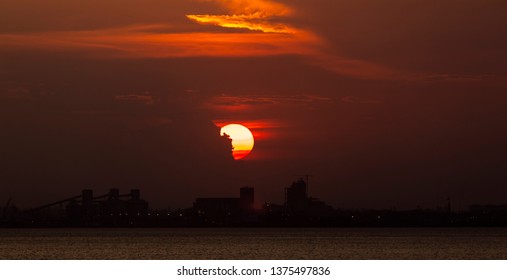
pixel 261 100
pixel 141 42
pixel 265 8
pixel 359 68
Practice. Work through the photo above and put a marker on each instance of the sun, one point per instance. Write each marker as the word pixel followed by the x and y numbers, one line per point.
pixel 242 139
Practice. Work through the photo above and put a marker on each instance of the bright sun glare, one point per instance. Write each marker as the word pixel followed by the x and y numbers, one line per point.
pixel 242 139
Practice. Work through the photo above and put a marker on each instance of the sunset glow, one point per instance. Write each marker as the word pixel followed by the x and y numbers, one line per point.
pixel 242 140
pixel 251 15
pixel 262 28
pixel 251 22
pixel 386 103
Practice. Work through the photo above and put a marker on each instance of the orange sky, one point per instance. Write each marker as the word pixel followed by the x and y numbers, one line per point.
pixel 388 103
pixel 267 19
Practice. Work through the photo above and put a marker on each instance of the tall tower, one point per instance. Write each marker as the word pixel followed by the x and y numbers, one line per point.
pixel 296 197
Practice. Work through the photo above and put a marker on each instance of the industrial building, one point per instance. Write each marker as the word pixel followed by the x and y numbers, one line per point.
pixel 227 209
pixel 296 196
pixel 111 209
pixel 298 202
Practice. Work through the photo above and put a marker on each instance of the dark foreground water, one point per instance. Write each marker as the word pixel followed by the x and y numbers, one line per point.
pixel 366 243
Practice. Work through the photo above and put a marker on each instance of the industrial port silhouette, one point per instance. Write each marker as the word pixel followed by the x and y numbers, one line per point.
pixel 114 209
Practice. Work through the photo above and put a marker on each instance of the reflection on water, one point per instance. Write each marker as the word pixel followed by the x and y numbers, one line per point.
pixel 255 243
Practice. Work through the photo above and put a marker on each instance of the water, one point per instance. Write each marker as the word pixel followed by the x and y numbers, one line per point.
pixel 255 243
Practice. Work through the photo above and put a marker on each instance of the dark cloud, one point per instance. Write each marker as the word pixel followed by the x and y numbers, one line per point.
pixel 144 98
pixel 253 100
pixel 15 92
pixel 355 99
pixel 459 78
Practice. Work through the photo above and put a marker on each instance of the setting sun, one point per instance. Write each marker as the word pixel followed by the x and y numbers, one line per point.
pixel 242 139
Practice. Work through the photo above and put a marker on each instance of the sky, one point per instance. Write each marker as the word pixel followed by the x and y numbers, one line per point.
pixel 385 103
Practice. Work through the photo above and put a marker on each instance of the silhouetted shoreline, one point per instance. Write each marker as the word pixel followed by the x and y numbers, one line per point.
pixel 129 210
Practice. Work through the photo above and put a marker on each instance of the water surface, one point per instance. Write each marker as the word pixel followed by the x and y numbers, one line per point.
pixel 255 243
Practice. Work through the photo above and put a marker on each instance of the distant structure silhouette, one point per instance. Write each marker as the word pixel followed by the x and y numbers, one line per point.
pixel 488 214
pixel 296 198
pixel 88 210
pixel 226 210
pixel 6 208
pixel 298 210
pixel 247 198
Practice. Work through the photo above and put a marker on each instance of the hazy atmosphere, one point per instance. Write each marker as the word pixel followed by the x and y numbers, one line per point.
pixel 389 103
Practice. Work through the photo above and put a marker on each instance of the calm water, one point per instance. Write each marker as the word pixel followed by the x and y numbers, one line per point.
pixel 371 243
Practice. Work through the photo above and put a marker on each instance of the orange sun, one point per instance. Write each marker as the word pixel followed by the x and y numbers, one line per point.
pixel 242 139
